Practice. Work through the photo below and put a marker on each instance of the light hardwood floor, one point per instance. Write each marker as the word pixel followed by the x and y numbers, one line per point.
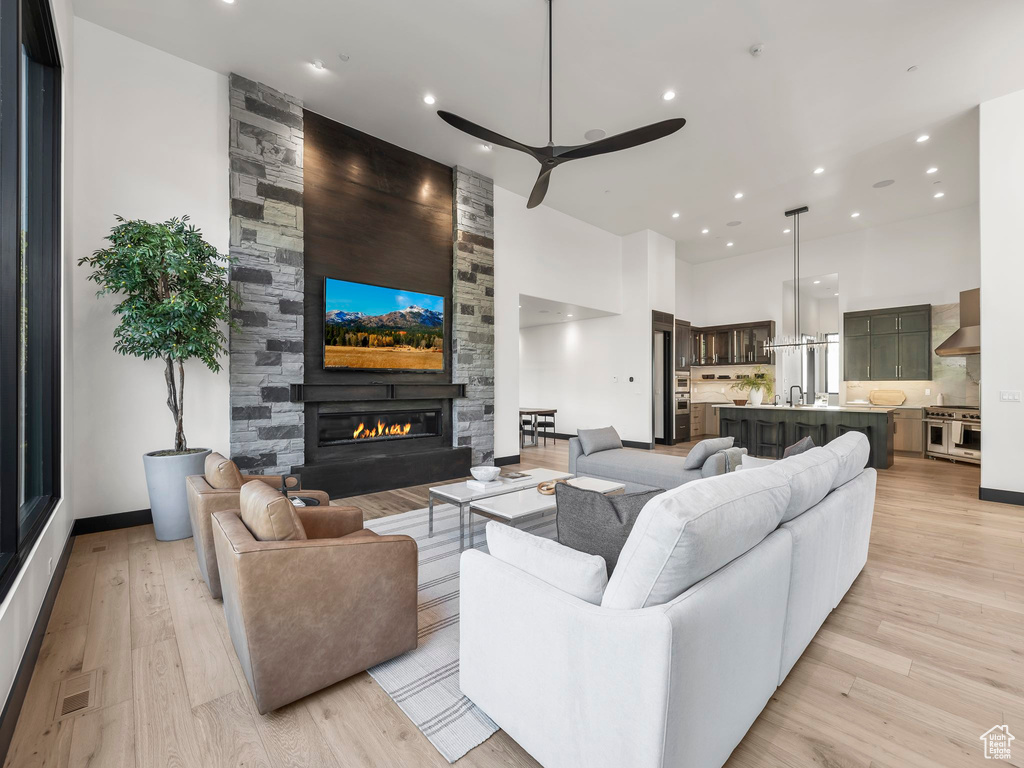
pixel 923 656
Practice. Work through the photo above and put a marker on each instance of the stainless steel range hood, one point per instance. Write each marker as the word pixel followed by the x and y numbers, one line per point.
pixel 967 340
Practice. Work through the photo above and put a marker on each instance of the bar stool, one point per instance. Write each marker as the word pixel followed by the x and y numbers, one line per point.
pixel 735 428
pixel 768 438
pixel 816 432
pixel 867 432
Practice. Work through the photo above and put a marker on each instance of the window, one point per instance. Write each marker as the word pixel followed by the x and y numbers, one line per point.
pixel 832 364
pixel 30 159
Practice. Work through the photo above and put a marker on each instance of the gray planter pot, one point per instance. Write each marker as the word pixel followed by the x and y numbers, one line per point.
pixel 165 479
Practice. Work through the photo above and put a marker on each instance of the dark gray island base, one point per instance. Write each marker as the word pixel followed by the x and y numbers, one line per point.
pixel 766 430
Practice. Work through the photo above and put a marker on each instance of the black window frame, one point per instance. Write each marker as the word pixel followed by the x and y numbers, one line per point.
pixel 24 21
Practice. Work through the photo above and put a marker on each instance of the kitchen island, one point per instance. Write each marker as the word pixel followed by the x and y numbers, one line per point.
pixel 766 430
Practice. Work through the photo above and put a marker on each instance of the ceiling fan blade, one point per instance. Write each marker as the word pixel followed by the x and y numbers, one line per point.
pixel 620 141
pixel 484 134
pixel 540 188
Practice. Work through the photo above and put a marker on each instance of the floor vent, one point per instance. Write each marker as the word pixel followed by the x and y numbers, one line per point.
pixel 100 548
pixel 77 695
pixel 74 703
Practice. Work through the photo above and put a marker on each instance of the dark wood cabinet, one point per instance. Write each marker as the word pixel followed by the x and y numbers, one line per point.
pixel 888 344
pixel 683 346
pixel 741 344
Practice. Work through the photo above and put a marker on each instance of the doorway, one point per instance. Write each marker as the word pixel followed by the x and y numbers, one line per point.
pixel 663 414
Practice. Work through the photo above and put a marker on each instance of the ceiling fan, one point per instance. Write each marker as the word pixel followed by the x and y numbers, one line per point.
pixel 551 156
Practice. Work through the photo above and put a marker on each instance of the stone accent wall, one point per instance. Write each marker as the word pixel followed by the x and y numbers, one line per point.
pixel 473 313
pixel 267 431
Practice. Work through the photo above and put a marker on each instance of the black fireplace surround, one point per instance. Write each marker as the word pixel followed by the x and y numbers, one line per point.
pixel 357 440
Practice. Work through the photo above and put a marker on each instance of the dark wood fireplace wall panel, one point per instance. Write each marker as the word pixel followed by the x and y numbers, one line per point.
pixel 374 213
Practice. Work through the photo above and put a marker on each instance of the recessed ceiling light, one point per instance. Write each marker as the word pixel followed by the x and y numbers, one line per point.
pixel 854 215
pixel 733 223
pixel 318 65
pixel 912 68
pixel 819 170
pixel 668 95
pixel 786 231
pixel 883 183
pixel 520 306
pixel 487 147
pixel 344 56
pixel 594 134
pixel 728 245
pixel 568 315
pixel 835 294
pixel 933 169
pixel 738 196
pixel 230 2
pixel 939 194
pixel 923 138
pixel 428 99
pixel 705 231
pixel 675 215
pixel 817 282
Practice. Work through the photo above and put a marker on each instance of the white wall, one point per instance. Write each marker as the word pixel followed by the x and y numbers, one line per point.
pixel 548 254
pixel 151 141
pixel 1002 278
pixel 20 607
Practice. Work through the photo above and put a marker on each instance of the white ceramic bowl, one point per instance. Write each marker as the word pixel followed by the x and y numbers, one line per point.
pixel 485 474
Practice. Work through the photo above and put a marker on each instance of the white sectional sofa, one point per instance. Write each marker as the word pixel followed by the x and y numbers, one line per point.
pixel 720 587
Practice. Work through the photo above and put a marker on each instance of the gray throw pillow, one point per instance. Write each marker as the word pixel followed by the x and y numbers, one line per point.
pixel 701 451
pixel 800 446
pixel 589 521
pixel 594 440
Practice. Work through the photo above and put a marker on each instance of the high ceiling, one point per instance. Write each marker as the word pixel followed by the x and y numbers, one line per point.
pixel 831 89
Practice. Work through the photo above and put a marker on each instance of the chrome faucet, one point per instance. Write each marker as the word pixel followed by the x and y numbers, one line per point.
pixel 796 386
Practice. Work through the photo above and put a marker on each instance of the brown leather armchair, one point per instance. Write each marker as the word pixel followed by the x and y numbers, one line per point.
pixel 217 490
pixel 328 601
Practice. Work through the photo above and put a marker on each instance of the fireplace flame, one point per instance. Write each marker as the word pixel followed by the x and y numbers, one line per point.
pixel 381 430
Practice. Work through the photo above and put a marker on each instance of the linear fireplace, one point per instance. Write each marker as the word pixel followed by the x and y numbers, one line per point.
pixel 377 426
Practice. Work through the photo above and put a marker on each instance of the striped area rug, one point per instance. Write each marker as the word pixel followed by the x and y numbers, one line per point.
pixel 425 682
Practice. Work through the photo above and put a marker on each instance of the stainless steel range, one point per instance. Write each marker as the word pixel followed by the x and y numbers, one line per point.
pixel 953 432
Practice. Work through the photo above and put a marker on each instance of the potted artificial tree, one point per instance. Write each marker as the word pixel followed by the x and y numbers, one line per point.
pixel 758 383
pixel 175 302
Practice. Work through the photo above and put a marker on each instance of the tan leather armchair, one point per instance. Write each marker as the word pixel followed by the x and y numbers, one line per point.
pixel 306 612
pixel 218 490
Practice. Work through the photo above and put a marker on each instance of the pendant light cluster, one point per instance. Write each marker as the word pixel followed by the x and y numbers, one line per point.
pixel 798 342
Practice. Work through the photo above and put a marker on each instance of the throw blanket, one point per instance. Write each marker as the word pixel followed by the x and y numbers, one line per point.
pixel 733 458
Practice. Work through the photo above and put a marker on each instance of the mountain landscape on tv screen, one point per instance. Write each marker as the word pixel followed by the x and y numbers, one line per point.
pixel 409 319
pixel 382 329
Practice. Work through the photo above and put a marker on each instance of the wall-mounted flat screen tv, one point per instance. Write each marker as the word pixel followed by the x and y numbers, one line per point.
pixel 369 327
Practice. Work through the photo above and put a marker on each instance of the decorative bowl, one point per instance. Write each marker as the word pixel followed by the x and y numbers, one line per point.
pixel 740 402
pixel 485 474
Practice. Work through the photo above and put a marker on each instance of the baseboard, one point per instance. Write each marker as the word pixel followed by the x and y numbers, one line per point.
pixel 16 698
pixel 102 523
pixel 1003 497
pixel 504 461
pixel 564 436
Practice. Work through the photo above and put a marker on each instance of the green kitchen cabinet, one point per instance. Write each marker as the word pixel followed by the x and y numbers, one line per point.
pixel 857 363
pixel 888 344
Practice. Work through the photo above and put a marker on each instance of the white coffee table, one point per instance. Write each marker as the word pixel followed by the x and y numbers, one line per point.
pixel 461 495
pixel 528 504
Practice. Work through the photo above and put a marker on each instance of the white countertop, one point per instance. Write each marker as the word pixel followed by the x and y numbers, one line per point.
pixel 812 408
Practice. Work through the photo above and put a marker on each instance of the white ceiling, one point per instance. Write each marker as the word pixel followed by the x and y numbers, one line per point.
pixel 534 311
pixel 831 89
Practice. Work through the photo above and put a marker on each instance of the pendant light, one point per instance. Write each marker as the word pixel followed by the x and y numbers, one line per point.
pixel 798 342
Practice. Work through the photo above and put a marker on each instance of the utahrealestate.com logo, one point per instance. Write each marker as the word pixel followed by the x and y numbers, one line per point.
pixel 997 743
